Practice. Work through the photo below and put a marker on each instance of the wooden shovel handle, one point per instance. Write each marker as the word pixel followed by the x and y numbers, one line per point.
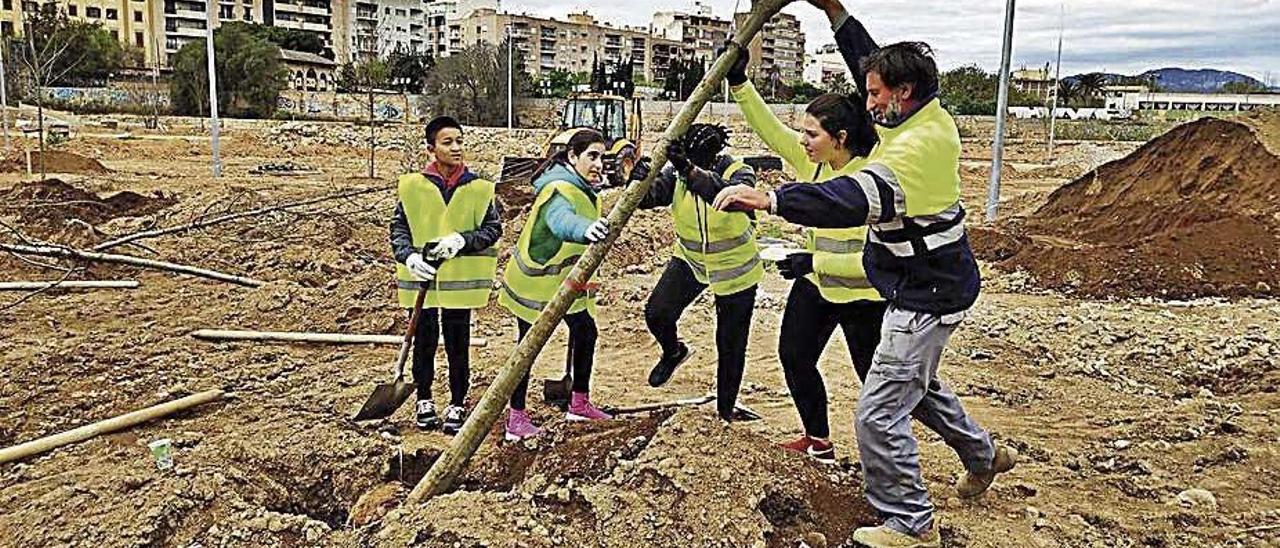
pixel 408 334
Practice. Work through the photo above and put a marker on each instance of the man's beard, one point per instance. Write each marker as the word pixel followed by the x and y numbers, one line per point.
pixel 891 115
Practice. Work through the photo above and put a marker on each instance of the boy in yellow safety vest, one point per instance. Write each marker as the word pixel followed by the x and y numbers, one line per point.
pixel 443 234
pixel 713 249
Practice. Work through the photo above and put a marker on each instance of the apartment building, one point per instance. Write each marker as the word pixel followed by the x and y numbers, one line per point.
pixel 826 66
pixel 375 28
pixel 132 22
pixel 699 29
pixel 185 20
pixel 777 52
pixel 549 44
pixel 312 16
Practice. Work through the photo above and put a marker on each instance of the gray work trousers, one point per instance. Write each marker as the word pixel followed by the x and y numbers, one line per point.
pixel 903 383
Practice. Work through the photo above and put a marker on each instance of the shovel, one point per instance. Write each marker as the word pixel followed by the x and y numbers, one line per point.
pixel 388 397
pixel 741 413
pixel 557 391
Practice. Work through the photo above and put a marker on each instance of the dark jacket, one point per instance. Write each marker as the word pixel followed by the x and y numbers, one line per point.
pixel 705 184
pixel 481 238
pixel 932 279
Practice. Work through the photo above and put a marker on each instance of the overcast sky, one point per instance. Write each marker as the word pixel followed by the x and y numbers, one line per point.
pixel 1124 36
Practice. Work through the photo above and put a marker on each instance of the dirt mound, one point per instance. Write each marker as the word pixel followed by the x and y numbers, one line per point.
pixel 55 161
pixel 1195 212
pixel 46 206
pixel 661 480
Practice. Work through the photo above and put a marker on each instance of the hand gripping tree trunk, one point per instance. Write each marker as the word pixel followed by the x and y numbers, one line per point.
pixel 444 472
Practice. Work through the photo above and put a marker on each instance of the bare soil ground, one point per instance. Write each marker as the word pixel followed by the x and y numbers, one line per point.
pixel 1120 406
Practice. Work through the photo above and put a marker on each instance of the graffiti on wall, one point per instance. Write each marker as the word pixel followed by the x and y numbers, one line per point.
pixel 111 97
pixel 388 107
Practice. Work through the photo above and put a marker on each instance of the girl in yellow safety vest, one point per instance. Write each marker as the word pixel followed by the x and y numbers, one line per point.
pixel 713 249
pixel 565 217
pixel 830 286
pixel 443 234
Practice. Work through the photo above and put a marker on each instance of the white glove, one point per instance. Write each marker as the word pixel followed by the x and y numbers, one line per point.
pixel 598 230
pixel 419 268
pixel 446 247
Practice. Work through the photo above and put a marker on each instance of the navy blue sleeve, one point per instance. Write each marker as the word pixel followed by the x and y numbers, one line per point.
pixel 838 203
pixel 855 43
pixel 487 234
pixel 401 238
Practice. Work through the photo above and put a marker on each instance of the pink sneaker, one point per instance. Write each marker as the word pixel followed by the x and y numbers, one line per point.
pixel 519 426
pixel 580 409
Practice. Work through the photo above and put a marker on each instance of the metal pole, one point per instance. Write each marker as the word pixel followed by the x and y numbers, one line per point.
pixel 511 68
pixel 211 19
pixel 1057 81
pixel 997 156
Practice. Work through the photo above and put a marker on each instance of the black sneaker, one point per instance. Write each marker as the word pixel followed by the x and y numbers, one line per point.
pixel 667 365
pixel 427 418
pixel 454 416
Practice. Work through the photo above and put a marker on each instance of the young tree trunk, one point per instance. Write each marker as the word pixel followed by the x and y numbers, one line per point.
pixel 371 138
pixel 40 126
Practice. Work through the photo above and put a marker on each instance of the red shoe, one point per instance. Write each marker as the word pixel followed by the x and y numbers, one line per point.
pixel 820 450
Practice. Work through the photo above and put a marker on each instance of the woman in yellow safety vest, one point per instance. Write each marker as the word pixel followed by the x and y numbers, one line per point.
pixel 565 217
pixel 830 286
pixel 713 248
pixel 443 235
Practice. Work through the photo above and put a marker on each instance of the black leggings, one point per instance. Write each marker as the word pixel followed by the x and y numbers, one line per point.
pixel 457 340
pixel 582 336
pixel 676 289
pixel 807 325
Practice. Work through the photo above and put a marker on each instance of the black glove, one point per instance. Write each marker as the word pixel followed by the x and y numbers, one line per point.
pixel 678 157
pixel 737 74
pixel 796 265
pixel 641 169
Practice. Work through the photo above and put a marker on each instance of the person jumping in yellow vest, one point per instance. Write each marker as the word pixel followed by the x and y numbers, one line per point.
pixel 565 217
pixel 443 234
pixel 830 286
pixel 712 248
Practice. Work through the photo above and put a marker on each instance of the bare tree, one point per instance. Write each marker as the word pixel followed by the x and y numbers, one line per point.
pixel 44 61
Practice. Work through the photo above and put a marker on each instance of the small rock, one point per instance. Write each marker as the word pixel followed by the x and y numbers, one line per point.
pixel 1197 498
pixel 1032 513
pixel 814 540
pixel 1121 444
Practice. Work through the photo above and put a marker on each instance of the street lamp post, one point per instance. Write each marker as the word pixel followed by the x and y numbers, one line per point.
pixel 211 19
pixel 997 156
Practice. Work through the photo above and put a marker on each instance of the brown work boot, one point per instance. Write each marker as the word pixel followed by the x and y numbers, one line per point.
pixel 974 484
pixel 886 537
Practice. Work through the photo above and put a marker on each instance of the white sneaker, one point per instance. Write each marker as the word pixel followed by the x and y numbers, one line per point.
pixel 426 415
pixel 454 416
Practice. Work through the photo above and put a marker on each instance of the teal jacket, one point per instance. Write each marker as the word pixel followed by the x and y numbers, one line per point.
pixel 558 215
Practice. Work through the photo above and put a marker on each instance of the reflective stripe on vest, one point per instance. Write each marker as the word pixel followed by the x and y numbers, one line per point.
pixel 911 237
pixel 528 286
pixel 464 281
pixel 718 246
pixel 837 252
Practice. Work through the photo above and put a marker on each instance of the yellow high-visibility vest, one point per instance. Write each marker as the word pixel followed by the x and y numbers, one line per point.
pixel 465 280
pixel 528 285
pixel 719 247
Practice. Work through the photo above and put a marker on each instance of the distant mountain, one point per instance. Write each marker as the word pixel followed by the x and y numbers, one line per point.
pixel 1182 80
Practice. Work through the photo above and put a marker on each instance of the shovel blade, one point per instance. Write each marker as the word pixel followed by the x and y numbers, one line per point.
pixel 556 391
pixel 385 400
